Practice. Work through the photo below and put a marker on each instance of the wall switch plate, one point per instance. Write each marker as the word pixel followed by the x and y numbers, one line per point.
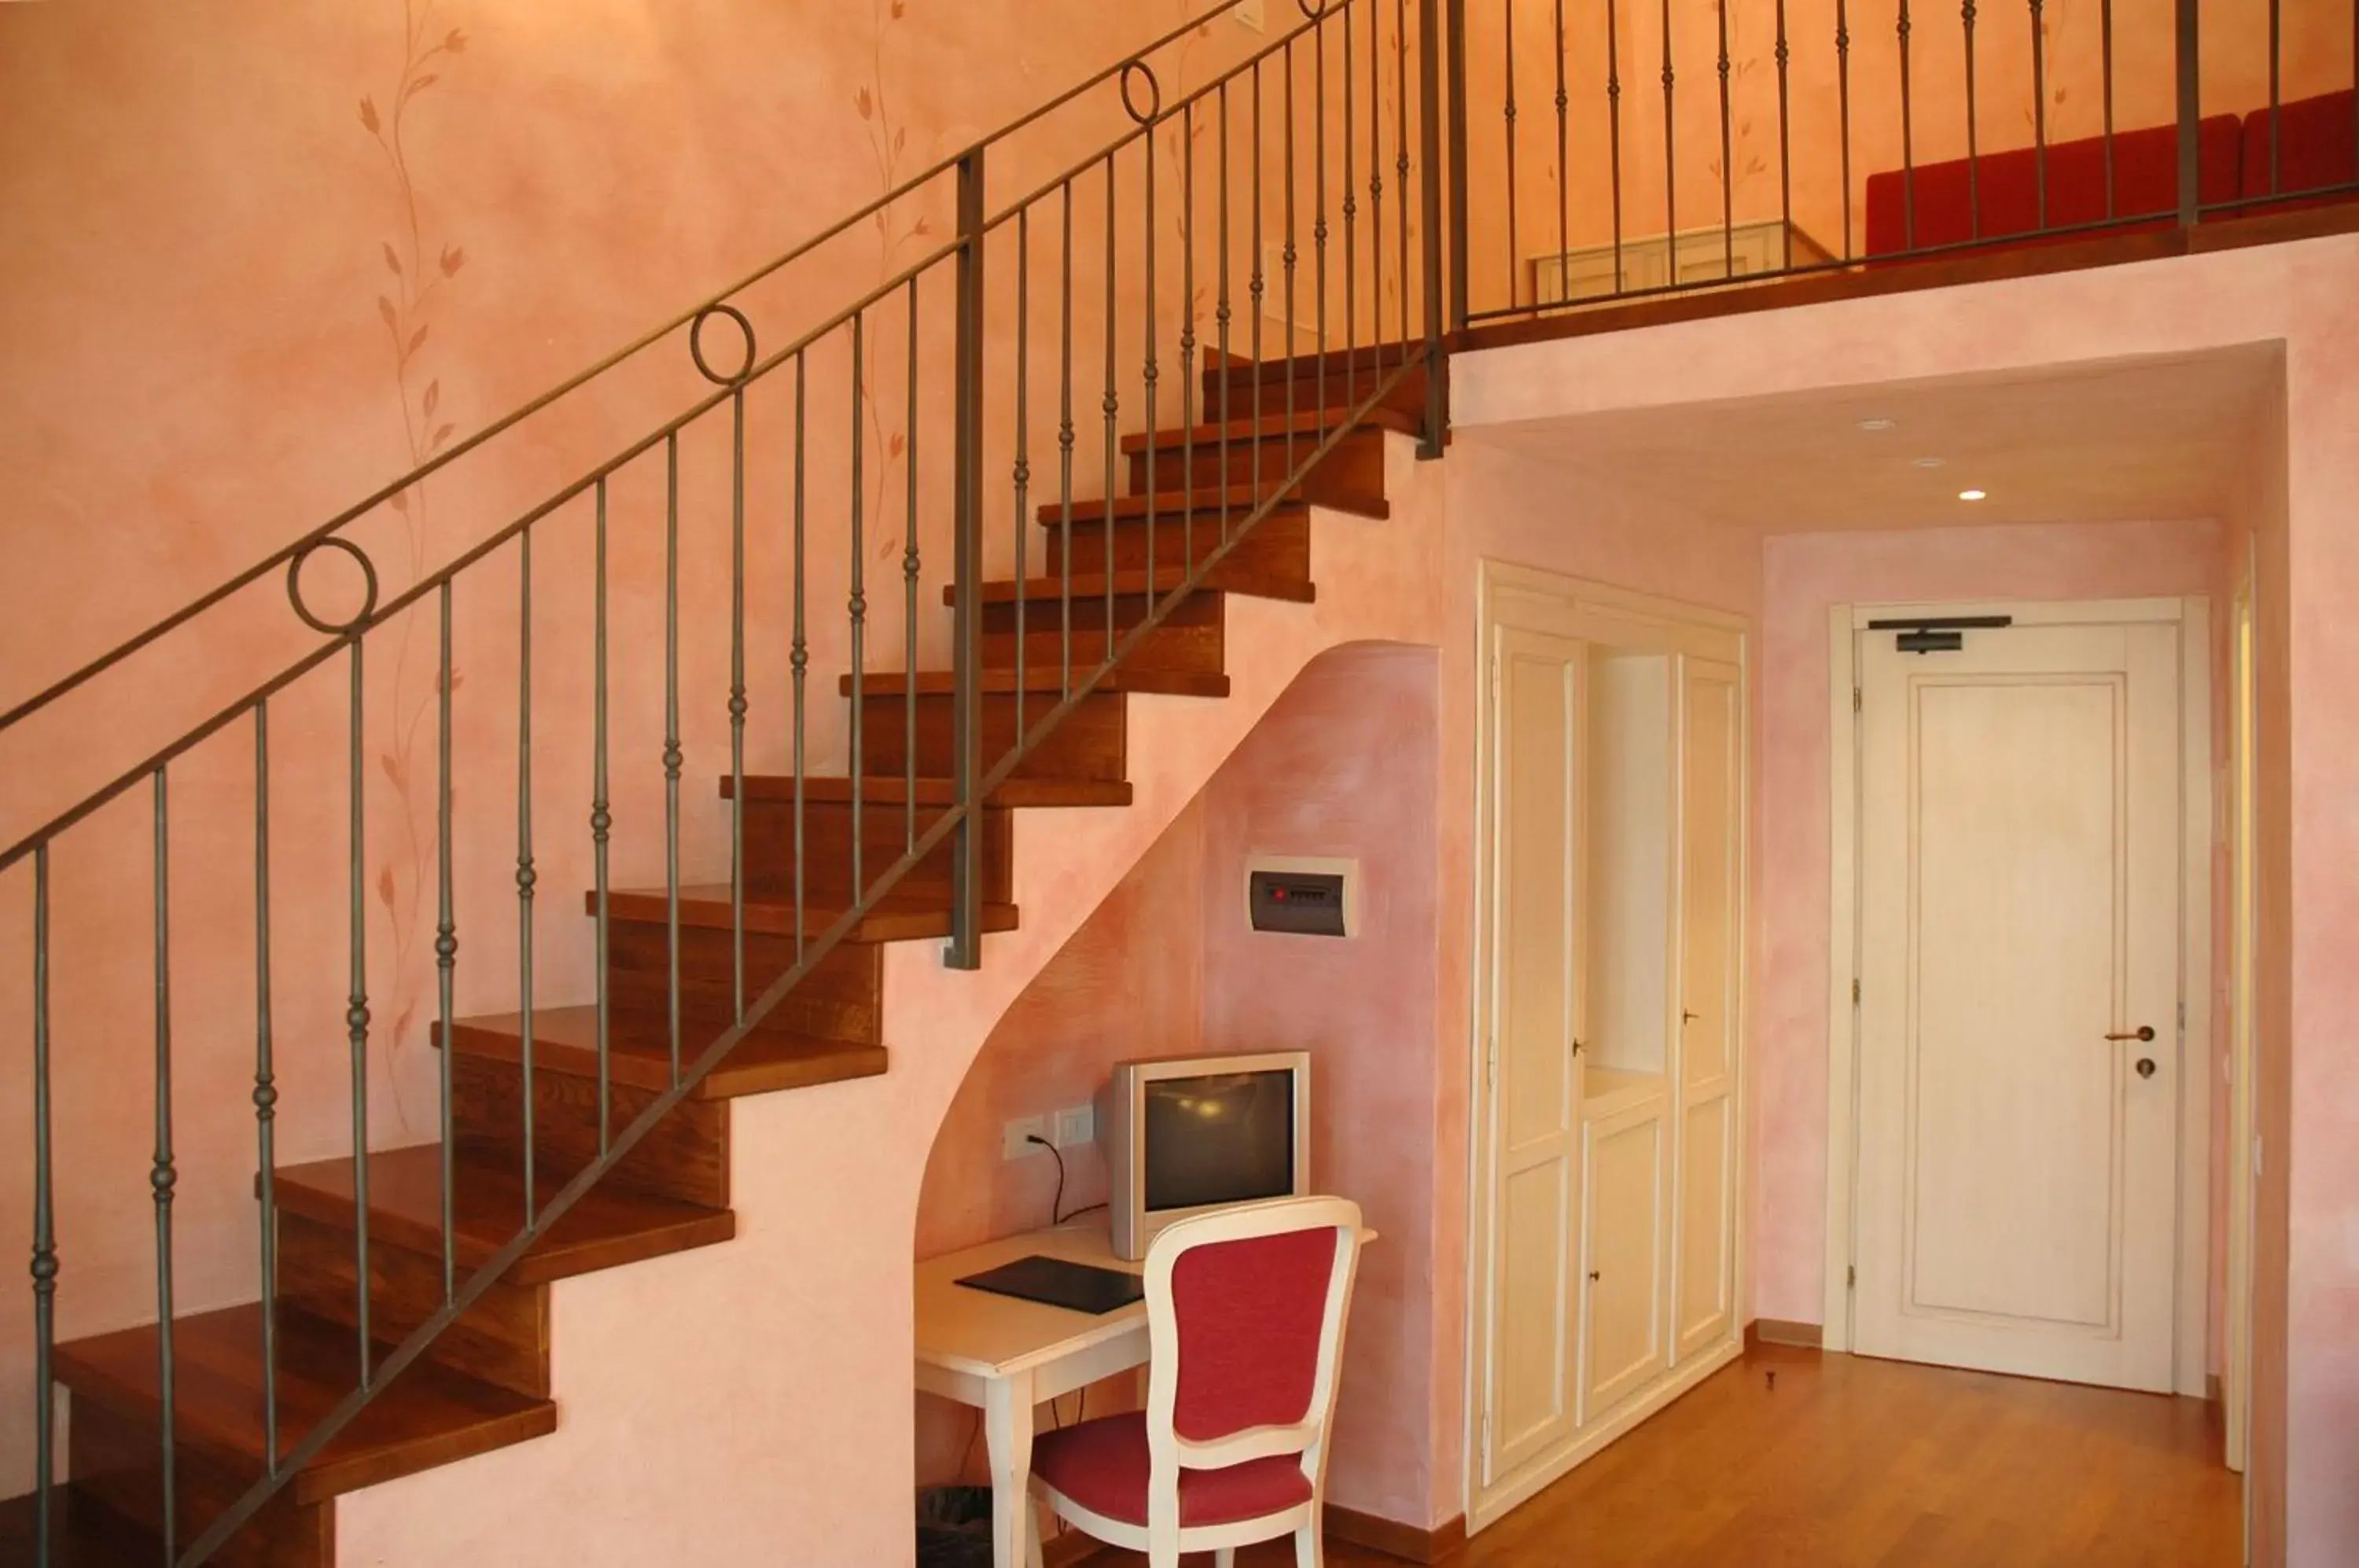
pixel 1077 1124
pixel 1015 1138
pixel 1250 14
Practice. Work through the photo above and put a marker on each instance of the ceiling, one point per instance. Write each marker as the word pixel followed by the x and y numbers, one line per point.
pixel 2145 439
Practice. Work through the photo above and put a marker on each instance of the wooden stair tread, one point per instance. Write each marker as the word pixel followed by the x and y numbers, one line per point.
pixel 1039 677
pixel 427 1416
pixel 1243 427
pixel 1204 502
pixel 83 1533
pixel 638 1051
pixel 893 918
pixel 611 1226
pixel 890 790
pixel 1167 576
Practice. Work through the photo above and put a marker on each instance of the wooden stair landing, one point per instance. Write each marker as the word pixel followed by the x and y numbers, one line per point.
pixel 484 1382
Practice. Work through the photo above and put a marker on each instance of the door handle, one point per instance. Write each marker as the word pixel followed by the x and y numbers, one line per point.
pixel 2144 1032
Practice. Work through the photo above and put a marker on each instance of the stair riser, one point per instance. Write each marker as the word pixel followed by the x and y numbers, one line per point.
pixel 1089 744
pixel 1316 385
pixel 113 1458
pixel 885 835
pixel 502 1339
pixel 1183 651
pixel 1279 545
pixel 1355 468
pixel 685 1156
pixel 840 999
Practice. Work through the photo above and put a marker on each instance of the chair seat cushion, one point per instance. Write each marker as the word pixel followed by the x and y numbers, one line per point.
pixel 1102 1465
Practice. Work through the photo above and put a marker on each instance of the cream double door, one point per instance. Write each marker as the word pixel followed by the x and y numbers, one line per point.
pixel 2019 973
pixel 1604 1256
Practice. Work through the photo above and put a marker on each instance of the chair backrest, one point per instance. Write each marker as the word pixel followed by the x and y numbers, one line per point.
pixel 1245 1309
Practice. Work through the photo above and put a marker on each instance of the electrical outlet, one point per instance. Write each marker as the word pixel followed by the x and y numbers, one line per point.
pixel 1015 1138
pixel 1078 1124
pixel 1249 13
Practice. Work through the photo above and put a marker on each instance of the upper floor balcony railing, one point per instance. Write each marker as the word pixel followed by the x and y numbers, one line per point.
pixel 1628 149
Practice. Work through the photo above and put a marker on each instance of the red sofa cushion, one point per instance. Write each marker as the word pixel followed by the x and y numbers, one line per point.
pixel 1101 1464
pixel 2317 146
pixel 2145 186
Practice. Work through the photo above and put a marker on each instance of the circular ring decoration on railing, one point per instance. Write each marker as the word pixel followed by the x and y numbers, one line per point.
pixel 368 578
pixel 1313 9
pixel 696 345
pixel 1129 100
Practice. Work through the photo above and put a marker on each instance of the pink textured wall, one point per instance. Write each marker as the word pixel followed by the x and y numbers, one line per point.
pixel 1804 576
pixel 2298 295
pixel 1344 766
pixel 1341 766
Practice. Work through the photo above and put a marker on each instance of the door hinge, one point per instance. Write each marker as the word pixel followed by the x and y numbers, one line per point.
pixel 1854 990
pixel 1856 698
pixel 1487 1443
pixel 1491 1065
pixel 1851 1275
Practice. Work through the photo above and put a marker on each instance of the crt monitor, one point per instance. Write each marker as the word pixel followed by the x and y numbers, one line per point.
pixel 1185 1136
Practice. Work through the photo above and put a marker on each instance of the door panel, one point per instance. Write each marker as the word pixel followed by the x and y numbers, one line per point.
pixel 2019 902
pixel 1709 806
pixel 1707 1250
pixel 1622 1255
pixel 1535 729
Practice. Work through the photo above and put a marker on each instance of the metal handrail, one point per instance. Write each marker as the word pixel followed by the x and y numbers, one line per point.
pixel 704 307
pixel 1368 376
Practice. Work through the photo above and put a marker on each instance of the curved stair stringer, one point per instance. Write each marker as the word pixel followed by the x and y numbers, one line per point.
pixel 752 1402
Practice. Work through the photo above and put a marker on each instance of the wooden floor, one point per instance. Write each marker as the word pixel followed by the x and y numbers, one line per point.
pixel 1848 1462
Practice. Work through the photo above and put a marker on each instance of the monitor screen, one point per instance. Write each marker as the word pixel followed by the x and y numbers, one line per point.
pixel 1222 1138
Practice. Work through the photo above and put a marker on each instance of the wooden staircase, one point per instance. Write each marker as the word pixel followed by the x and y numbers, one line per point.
pixel 485 1383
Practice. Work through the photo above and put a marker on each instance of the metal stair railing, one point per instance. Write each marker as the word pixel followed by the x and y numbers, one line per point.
pixel 1182 212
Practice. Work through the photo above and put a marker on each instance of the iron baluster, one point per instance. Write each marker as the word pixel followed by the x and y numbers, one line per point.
pixel 1670 149
pixel 910 569
pixel 1907 142
pixel 1727 162
pixel 162 1176
pixel 602 819
pixel 1785 145
pixel 2276 90
pixel 2105 76
pixel 1563 166
pixel 672 756
pixel 1508 111
pixel 1460 221
pixel 1843 116
pixel 1288 259
pixel 2190 111
pixel 856 609
pixel 1065 439
pixel 1023 442
pixel 525 877
pixel 2039 108
pixel 737 705
pixel 1614 126
pixel 1436 414
pixel 1187 344
pixel 1257 292
pixel 1973 144
pixel 1401 165
pixel 966 719
pixel 356 1024
pixel 45 1238
pixel 1351 222
pixel 1112 404
pixel 1147 376
pixel 797 658
pixel 1222 315
pixel 446 943
pixel 266 1092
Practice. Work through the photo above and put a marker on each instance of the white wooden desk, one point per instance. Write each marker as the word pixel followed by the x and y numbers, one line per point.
pixel 1004 1356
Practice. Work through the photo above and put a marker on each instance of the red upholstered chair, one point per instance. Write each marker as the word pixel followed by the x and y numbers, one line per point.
pixel 1244 1313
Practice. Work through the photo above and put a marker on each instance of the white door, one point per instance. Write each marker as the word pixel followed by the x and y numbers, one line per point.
pixel 1532 933
pixel 2019 926
pixel 1711 764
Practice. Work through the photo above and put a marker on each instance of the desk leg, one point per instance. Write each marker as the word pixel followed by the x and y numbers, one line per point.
pixel 1007 1423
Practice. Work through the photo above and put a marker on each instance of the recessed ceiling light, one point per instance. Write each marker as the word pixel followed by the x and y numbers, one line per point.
pixel 1930 461
pixel 1972 495
pixel 1876 424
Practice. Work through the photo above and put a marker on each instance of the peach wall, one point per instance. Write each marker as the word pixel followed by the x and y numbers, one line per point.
pixel 2298 295
pixel 282 254
pixel 1805 575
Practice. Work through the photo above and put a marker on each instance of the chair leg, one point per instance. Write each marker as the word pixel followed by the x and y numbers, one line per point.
pixel 1225 1557
pixel 1308 1551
